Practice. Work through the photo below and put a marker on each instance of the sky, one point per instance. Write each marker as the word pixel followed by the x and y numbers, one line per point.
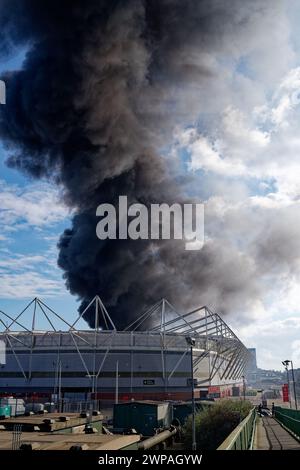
pixel 32 217
pixel 242 149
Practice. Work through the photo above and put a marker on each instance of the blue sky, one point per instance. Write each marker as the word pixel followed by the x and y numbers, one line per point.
pixel 28 243
pixel 244 153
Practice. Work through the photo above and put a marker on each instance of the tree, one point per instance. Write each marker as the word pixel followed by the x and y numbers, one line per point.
pixel 215 423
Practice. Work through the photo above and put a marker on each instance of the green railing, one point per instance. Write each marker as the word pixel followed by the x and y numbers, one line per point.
pixel 242 436
pixel 290 419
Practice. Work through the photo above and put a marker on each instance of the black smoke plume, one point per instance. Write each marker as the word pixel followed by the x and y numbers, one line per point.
pixel 102 87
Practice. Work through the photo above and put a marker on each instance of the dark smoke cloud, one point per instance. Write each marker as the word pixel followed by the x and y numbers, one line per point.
pixel 102 86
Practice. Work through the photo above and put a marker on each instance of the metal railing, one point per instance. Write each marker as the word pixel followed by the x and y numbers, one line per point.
pixel 241 438
pixel 290 419
pixel 79 406
pixel 16 437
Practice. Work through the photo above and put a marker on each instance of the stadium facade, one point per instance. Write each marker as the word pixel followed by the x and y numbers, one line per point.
pixel 150 359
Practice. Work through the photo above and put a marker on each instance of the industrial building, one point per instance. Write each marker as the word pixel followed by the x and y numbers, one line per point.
pixel 161 355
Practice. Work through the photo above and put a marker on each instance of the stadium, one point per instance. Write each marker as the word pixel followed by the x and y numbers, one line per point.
pixel 161 355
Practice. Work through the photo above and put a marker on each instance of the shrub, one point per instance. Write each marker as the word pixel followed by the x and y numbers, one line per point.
pixel 215 423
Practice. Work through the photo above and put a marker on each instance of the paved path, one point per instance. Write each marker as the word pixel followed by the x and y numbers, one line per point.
pixel 271 436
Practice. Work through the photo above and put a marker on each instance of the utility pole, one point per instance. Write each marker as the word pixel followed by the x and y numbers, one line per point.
pixel 191 342
pixel 117 383
pixel 59 387
pixel 244 388
pixel 294 386
pixel 286 365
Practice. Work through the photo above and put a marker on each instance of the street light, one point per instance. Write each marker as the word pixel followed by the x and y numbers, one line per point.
pixel 286 364
pixel 191 342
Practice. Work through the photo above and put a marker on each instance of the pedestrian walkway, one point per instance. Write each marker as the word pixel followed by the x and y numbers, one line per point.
pixel 270 435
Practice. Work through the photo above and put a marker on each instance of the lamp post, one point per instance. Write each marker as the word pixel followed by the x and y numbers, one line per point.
pixel 294 386
pixel 57 385
pixel 286 364
pixel 244 388
pixel 191 342
pixel 117 383
pixel 59 388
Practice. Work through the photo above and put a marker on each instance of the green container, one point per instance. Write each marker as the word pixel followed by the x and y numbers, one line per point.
pixel 143 416
pixel 181 411
pixel 5 411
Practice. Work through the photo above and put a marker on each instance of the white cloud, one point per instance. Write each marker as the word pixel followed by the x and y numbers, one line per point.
pixel 29 275
pixel 296 353
pixel 275 340
pixel 205 155
pixel 261 143
pixel 287 97
pixel 29 284
pixel 237 129
pixel 257 147
pixel 36 205
pixel 16 261
pixel 26 271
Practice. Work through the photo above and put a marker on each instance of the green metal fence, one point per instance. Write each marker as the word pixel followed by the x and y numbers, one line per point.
pixel 289 419
pixel 242 436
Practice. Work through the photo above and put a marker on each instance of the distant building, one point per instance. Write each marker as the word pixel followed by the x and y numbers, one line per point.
pixel 251 373
pixel 252 364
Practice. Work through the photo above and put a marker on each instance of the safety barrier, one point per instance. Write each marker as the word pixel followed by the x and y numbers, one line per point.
pixel 290 419
pixel 242 436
